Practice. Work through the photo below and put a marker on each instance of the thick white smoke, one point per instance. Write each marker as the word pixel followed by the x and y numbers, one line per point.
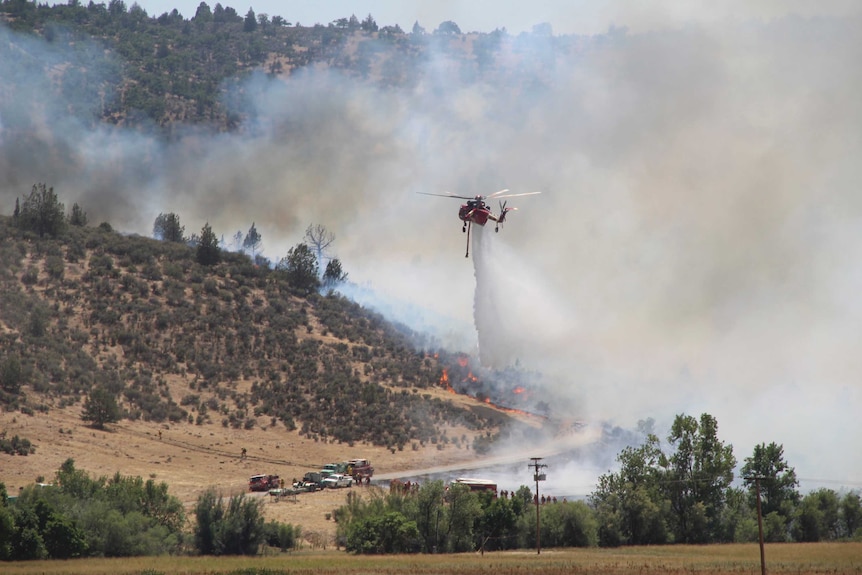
pixel 696 247
pixel 515 313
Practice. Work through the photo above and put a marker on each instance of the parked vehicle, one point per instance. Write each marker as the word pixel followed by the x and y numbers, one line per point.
pixel 263 482
pixel 331 468
pixel 311 481
pixel 360 469
pixel 338 480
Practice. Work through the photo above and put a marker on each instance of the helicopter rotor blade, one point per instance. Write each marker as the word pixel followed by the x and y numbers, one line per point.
pixel 446 195
pixel 495 194
pixel 518 195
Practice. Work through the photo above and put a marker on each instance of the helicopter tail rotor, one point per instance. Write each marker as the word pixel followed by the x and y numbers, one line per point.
pixel 503 211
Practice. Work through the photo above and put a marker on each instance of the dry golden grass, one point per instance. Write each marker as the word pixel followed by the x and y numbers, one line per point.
pixel 809 559
pixel 191 458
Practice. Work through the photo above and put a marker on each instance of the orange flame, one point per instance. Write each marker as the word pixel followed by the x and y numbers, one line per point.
pixel 444 382
pixel 519 389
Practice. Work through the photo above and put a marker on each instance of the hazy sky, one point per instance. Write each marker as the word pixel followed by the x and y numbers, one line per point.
pixel 697 246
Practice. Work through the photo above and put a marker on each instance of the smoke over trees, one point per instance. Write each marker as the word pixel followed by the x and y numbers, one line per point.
pixel 252 240
pixel 77 217
pixel 319 239
pixel 334 273
pixel 41 212
pixel 167 228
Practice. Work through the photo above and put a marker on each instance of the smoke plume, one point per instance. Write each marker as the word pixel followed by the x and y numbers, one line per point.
pixel 695 248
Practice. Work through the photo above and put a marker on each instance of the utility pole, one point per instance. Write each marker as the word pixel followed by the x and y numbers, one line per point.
pixel 757 479
pixel 535 465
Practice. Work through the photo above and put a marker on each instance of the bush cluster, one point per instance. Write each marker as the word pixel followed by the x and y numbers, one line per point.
pixel 16 446
pixel 433 518
pixel 79 516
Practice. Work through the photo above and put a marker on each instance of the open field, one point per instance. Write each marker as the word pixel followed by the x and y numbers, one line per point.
pixel 191 458
pixel 798 558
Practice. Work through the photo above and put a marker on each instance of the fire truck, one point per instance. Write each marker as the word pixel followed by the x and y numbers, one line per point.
pixel 478 484
pixel 263 482
pixel 360 469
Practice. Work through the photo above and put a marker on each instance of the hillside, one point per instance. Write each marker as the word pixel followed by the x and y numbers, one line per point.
pixel 120 65
pixel 215 358
pixel 204 362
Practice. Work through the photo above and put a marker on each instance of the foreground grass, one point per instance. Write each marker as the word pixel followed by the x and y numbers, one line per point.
pixel 798 558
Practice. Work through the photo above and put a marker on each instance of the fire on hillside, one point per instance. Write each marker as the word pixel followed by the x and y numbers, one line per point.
pixel 495 395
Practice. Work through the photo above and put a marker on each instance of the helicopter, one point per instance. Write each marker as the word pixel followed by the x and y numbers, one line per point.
pixel 476 210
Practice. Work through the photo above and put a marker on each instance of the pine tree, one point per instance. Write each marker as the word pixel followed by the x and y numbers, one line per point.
pixel 78 217
pixel 208 253
pixel 252 240
pixel 300 268
pixel 42 212
pixel 100 408
pixel 167 228
pixel 334 274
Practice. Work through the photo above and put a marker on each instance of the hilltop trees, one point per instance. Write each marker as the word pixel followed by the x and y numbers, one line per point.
pixel 167 228
pixel 448 27
pixel 334 273
pixel 250 22
pixel 208 252
pixel 300 268
pixel 318 238
pixel 252 241
pixel 77 217
pixel 41 212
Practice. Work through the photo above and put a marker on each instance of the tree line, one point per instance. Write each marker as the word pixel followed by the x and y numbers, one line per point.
pixel 42 213
pixel 165 69
pixel 681 494
pixel 302 266
pixel 121 516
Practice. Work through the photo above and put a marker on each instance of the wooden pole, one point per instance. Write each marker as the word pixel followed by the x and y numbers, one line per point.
pixel 538 531
pixel 536 466
pixel 760 527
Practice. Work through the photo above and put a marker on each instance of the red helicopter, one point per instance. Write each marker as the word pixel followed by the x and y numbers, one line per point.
pixel 476 211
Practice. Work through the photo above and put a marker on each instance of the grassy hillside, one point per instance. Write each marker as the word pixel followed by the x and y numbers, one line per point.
pixel 230 345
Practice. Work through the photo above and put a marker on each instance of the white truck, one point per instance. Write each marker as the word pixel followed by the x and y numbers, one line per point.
pixel 338 480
